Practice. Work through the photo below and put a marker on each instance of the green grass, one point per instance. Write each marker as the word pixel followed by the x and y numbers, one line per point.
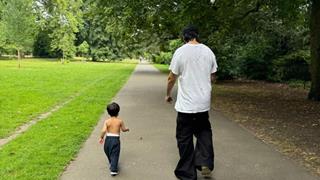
pixel 162 67
pixel 45 149
pixel 38 85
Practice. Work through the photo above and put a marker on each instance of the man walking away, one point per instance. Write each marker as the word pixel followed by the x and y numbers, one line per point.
pixel 194 65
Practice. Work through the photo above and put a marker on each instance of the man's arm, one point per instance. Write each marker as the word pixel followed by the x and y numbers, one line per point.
pixel 103 132
pixel 213 78
pixel 171 81
pixel 123 127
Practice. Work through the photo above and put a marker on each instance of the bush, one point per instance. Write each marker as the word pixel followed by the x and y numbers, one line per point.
pixel 175 44
pixel 163 58
pixel 294 66
pixel 41 47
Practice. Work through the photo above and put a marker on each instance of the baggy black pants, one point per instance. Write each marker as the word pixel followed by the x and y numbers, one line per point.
pixel 189 125
pixel 112 150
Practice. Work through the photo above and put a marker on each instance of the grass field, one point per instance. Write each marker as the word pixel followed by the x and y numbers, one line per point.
pixel 38 85
pixel 162 67
pixel 43 151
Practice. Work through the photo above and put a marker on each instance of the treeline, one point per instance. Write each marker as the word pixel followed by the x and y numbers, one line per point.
pixel 255 39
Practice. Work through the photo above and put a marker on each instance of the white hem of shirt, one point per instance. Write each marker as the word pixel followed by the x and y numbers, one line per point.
pixel 191 112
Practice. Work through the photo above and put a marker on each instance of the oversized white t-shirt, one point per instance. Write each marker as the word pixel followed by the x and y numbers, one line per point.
pixel 194 64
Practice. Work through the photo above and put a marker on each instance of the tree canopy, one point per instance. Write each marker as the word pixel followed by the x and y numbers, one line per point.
pixel 255 39
pixel 18 24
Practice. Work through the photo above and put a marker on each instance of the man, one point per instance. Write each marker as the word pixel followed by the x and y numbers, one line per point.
pixel 194 65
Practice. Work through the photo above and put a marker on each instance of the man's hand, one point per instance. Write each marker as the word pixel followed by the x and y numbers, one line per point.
pixel 101 140
pixel 168 99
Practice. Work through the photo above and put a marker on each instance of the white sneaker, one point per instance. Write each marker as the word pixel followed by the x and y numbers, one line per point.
pixel 113 173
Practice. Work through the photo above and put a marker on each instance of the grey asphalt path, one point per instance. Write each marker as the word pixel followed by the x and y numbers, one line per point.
pixel 149 151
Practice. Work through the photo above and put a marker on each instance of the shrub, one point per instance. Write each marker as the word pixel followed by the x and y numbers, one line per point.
pixel 163 58
pixel 294 66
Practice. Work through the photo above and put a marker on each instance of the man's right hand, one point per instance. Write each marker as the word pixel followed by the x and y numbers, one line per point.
pixel 169 99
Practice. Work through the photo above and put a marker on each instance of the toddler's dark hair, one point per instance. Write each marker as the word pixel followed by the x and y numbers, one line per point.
pixel 113 109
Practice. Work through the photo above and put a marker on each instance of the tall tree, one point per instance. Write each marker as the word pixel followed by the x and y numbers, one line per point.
pixel 2 35
pixel 314 93
pixel 19 25
pixel 290 8
pixel 65 18
pixel 2 30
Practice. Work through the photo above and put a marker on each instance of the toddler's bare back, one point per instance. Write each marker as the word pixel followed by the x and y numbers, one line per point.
pixel 114 125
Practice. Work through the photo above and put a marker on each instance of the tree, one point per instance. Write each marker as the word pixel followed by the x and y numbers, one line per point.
pixel 19 25
pixel 314 93
pixel 65 18
pixel 290 8
pixel 83 49
pixel 2 35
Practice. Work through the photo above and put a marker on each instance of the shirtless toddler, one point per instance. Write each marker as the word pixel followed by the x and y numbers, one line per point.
pixel 112 128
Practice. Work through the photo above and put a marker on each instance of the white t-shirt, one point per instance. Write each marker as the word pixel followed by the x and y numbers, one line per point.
pixel 194 64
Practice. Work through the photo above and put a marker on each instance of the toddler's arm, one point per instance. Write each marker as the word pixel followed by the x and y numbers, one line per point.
pixel 103 132
pixel 123 128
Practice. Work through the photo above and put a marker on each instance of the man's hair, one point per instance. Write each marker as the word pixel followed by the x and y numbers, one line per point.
pixel 190 32
pixel 113 109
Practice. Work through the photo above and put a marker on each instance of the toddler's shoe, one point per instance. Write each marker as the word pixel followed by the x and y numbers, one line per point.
pixel 113 173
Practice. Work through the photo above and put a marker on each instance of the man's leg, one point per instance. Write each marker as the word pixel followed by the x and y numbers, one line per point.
pixel 204 154
pixel 185 169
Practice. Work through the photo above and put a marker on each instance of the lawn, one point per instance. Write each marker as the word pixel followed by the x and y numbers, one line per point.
pixel 38 86
pixel 45 149
pixel 162 67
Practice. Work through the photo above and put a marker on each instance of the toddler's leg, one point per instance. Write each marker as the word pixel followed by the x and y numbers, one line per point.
pixel 107 148
pixel 114 156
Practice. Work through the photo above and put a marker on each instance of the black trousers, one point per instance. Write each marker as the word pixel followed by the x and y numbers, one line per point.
pixel 192 158
pixel 112 150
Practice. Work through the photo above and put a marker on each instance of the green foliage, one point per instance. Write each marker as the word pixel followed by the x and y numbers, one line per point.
pixel 247 36
pixel 175 44
pixel 42 48
pixel 293 66
pixel 19 24
pixel 65 19
pixel 163 58
pixel 2 37
pixel 102 39
pixel 83 48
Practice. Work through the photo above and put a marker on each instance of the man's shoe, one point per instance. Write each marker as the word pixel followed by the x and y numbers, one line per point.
pixel 205 171
pixel 113 173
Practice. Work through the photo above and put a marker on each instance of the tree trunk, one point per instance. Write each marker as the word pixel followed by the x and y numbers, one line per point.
pixel 62 60
pixel 314 93
pixel 19 58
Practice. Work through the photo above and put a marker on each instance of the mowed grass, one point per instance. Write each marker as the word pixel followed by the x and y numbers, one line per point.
pixel 45 149
pixel 39 85
pixel 162 67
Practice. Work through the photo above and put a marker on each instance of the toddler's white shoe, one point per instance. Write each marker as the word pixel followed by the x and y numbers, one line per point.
pixel 113 173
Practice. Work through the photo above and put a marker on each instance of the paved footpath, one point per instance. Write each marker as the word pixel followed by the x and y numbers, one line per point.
pixel 149 151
